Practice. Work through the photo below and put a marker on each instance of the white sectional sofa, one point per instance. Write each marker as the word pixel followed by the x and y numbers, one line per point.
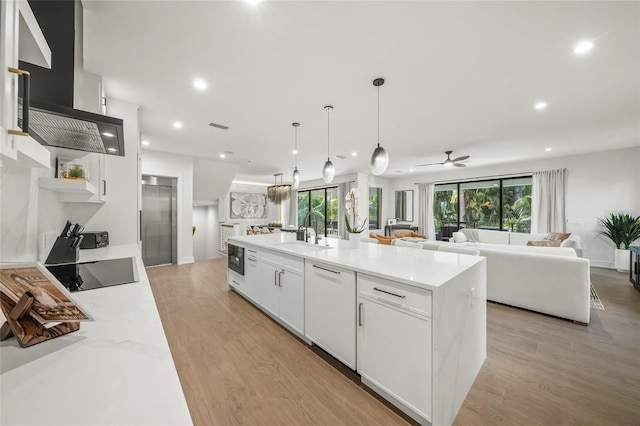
pixel 551 280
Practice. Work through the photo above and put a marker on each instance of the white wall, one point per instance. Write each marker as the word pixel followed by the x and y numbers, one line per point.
pixel 206 239
pixel 181 167
pixel 119 214
pixel 212 179
pixel 597 184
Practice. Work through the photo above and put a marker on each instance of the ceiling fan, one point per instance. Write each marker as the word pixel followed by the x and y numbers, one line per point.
pixel 449 162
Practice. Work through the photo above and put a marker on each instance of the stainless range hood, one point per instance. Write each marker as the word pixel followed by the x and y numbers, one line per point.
pixel 52 120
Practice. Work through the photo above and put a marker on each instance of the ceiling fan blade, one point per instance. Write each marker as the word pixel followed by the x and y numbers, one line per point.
pixel 464 157
pixel 459 164
pixel 430 164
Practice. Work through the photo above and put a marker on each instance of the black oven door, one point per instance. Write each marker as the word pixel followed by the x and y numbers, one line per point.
pixel 235 259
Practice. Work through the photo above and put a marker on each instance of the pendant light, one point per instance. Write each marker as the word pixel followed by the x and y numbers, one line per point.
pixel 328 171
pixel 296 173
pixel 277 193
pixel 379 158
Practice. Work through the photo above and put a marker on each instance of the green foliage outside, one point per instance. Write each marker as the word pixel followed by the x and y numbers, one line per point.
pixel 480 207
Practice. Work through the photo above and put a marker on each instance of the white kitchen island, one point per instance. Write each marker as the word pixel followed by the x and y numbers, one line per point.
pixel 411 322
pixel 117 370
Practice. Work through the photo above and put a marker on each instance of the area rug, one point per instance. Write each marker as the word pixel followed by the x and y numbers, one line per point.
pixel 596 303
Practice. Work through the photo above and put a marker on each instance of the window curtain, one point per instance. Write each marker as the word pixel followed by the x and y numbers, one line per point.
pixel 548 201
pixel 293 208
pixel 343 188
pixel 425 210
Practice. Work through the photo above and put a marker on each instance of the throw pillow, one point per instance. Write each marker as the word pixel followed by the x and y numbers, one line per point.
pixel 560 236
pixel 545 243
pixel 459 237
pixel 471 234
pixel 402 233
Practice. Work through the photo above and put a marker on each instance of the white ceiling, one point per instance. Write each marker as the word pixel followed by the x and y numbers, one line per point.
pixel 460 76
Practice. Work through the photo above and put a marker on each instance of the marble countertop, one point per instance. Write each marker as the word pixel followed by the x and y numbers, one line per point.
pixel 117 370
pixel 421 268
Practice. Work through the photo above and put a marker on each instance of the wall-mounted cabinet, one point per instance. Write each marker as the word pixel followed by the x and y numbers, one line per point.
pixel 20 39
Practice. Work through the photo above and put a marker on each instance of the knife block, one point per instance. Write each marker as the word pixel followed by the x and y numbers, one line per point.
pixel 62 252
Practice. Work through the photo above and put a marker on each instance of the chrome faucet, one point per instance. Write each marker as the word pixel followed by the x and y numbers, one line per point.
pixel 306 232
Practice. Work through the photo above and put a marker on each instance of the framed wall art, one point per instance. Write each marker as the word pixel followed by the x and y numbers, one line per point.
pixel 248 205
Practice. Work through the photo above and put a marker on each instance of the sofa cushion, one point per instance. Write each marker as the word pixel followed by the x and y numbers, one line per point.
pixel 555 251
pixel 493 237
pixel 381 238
pixel 560 236
pixel 545 243
pixel 459 237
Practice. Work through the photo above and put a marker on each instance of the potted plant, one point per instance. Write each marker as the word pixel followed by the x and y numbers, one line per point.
pixel 622 229
pixel 352 227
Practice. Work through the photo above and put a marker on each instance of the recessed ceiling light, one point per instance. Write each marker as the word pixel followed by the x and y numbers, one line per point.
pixel 410 170
pixel 294 152
pixel 107 134
pixel 582 47
pixel 177 125
pixel 540 105
pixel 112 150
pixel 223 155
pixel 354 154
pixel 200 84
pixel 145 143
pixel 548 149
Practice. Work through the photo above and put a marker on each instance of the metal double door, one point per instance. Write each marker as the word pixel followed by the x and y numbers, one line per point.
pixel 159 220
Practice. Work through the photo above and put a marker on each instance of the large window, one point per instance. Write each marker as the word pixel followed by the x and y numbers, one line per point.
pixel 323 205
pixel 498 204
pixel 375 207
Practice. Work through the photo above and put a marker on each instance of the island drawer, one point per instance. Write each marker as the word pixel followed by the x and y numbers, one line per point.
pixel 413 299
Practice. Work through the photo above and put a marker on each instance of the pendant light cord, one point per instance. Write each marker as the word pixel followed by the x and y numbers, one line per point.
pixel 378 116
pixel 328 133
pixel 296 147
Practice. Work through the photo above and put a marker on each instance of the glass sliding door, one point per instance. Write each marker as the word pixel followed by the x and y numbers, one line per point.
pixel 445 210
pixel 516 204
pixel 497 204
pixel 323 205
pixel 480 204
pixel 375 207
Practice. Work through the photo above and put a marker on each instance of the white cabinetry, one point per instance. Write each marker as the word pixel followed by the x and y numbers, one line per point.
pixel 395 343
pixel 252 274
pixel 20 38
pixel 275 283
pixel 330 310
pixel 235 280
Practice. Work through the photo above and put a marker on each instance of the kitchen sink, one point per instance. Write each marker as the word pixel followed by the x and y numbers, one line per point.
pixel 301 245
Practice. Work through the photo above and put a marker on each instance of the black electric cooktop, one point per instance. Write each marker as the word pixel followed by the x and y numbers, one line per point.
pixel 90 275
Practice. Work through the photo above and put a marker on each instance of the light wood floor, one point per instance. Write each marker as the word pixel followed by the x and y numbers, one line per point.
pixel 237 366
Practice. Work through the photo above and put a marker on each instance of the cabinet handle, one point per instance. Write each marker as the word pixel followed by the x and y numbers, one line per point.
pixel 26 94
pixel 234 281
pixel 360 322
pixel 250 259
pixel 401 296
pixel 325 269
pixel 275 277
pixel 104 187
pixel 251 251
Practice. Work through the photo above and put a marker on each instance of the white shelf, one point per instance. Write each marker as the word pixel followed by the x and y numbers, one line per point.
pixel 70 190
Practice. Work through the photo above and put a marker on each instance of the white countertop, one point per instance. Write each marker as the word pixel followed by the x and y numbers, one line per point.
pixel 421 268
pixel 116 370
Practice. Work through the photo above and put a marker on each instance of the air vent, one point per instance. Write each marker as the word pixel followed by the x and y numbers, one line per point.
pixel 342 157
pixel 219 126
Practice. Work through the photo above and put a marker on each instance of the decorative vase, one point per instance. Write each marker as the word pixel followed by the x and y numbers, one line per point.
pixel 354 239
pixel 621 262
